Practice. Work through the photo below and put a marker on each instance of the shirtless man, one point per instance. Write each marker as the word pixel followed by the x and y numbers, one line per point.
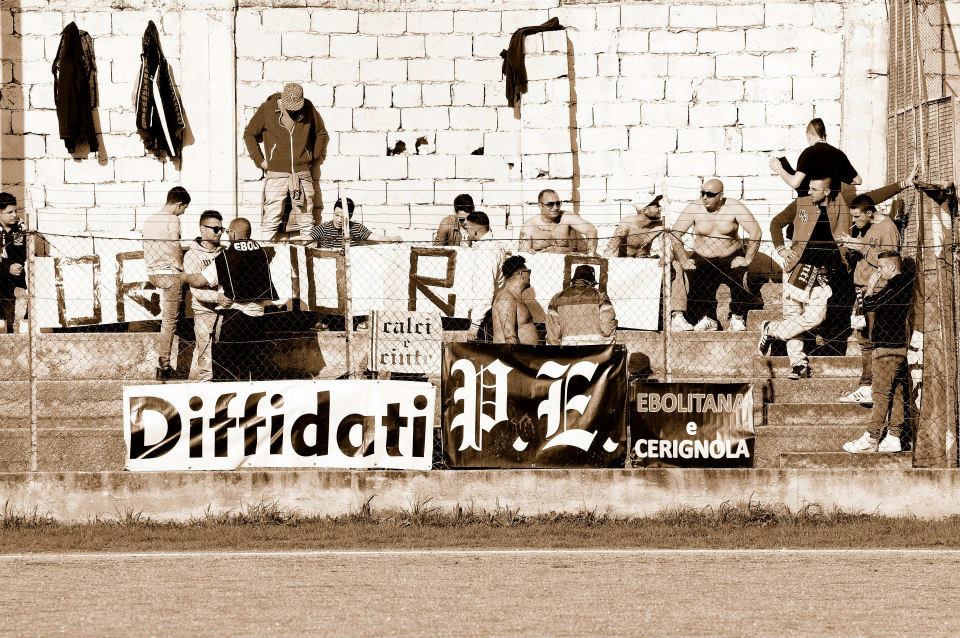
pixel 512 322
pixel 553 230
pixel 719 256
pixel 634 237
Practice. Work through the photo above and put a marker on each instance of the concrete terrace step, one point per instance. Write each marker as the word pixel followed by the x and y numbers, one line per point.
pixel 848 366
pixel 783 414
pixel 774 441
pixel 836 460
pixel 816 389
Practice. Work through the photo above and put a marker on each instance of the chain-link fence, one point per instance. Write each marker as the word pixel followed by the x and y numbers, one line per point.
pixel 792 315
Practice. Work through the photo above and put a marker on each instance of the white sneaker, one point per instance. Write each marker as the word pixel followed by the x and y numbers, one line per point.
pixel 679 323
pixel 862 395
pixel 706 324
pixel 737 324
pixel 890 445
pixel 865 443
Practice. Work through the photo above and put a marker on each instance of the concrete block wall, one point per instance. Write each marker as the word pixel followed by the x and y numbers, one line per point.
pixel 112 194
pixel 629 93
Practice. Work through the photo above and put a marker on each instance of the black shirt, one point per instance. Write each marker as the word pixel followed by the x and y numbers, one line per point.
pixel 821 160
pixel 892 304
pixel 821 248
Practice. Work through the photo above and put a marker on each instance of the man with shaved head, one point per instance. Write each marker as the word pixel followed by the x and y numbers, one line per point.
pixel 818 287
pixel 242 275
pixel 720 256
pixel 555 230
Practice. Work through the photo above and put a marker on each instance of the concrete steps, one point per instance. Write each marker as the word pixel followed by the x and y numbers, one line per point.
pixel 775 441
pixel 815 389
pixel 826 414
pixel 838 460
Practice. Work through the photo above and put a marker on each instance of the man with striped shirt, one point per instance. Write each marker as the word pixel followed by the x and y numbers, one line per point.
pixel 329 235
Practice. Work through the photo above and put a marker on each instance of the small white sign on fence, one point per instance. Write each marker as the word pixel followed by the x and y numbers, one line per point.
pixel 405 341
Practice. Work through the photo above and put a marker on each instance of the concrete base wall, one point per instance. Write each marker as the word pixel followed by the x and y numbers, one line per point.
pixel 81 496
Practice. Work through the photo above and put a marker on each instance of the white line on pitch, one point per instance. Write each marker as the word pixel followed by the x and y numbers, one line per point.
pixel 321 553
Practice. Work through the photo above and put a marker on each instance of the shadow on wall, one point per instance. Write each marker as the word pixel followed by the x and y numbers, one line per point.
pixel 574 145
pixel 11 107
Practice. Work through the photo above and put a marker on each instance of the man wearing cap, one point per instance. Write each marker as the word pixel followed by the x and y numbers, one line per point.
pixel 512 321
pixel 580 314
pixel 719 256
pixel 294 146
pixel 555 230
pixel 451 229
pixel 634 237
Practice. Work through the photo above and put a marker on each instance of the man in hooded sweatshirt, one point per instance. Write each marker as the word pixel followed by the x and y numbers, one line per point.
pixel 294 143
pixel 201 254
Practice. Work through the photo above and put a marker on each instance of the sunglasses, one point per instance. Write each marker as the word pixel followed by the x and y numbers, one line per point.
pixel 551 204
pixel 216 229
pixel 709 193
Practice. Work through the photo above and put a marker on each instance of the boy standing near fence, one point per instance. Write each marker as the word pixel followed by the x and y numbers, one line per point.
pixel 888 294
pixel 13 257
pixel 201 254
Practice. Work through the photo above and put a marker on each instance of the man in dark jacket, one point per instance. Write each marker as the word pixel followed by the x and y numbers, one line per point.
pixel 242 275
pixel 580 314
pixel 13 257
pixel 294 146
pixel 889 294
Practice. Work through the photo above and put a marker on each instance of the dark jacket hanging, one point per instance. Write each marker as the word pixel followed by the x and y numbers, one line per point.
pixel 75 88
pixel 161 126
pixel 514 68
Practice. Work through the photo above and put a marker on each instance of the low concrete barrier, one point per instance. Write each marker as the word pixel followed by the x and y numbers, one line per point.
pixel 82 496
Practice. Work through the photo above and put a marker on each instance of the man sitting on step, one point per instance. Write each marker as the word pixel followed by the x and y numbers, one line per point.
pixel 815 273
pixel 719 257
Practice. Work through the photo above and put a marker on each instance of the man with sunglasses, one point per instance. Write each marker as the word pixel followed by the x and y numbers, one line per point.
pixel 719 256
pixel 555 230
pixel 201 254
pixel 452 228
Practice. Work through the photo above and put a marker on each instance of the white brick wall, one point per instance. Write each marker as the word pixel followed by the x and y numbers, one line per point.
pixel 685 89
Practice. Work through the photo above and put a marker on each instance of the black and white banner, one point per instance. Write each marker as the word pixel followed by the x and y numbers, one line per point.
pixel 225 426
pixel 692 424
pixel 534 406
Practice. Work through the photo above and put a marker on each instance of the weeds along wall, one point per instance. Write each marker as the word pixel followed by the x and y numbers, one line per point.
pixel 627 94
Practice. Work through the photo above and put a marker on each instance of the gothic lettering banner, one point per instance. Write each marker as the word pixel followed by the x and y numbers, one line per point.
pixel 534 406
pixel 226 426
pixel 692 424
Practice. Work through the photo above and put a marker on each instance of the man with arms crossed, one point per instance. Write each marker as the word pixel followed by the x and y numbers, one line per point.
pixel 552 231
pixel 719 255
pixel 512 322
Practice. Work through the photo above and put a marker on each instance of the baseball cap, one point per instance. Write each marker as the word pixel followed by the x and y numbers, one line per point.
pixel 292 97
pixel 646 197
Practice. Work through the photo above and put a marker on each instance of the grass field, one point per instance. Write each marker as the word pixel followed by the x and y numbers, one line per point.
pixel 265 526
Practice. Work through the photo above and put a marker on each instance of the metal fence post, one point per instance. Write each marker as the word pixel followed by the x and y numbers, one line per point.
pixel 348 299
pixel 31 325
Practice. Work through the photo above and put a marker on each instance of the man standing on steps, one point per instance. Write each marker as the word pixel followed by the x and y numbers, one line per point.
pixel 555 230
pixel 294 146
pixel 241 273
pixel 512 321
pixel 878 234
pixel 891 301
pixel 164 258
pixel 817 161
pixel 201 254
pixel 719 256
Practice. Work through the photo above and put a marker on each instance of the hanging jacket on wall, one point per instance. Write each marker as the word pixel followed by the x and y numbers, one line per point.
pixel 514 67
pixel 75 88
pixel 160 119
